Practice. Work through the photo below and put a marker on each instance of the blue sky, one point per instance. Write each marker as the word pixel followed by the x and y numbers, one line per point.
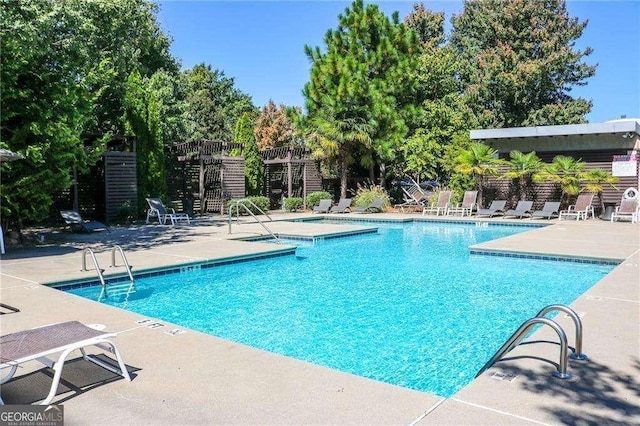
pixel 261 45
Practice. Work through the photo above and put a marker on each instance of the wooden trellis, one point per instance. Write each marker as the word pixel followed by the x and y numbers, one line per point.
pixel 289 172
pixel 205 176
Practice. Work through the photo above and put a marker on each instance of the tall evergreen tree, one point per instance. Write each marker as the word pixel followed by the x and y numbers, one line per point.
pixel 253 166
pixel 519 62
pixel 360 79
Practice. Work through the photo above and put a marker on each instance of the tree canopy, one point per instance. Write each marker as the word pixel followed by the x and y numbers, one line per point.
pixel 519 62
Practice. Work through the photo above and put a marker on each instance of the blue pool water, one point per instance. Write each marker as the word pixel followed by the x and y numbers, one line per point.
pixel 408 306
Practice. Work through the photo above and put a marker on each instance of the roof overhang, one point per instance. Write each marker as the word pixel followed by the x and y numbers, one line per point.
pixel 622 127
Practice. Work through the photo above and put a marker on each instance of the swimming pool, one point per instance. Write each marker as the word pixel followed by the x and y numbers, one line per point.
pixel 408 306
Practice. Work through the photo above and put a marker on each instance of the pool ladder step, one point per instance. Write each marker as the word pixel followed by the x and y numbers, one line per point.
pixel 123 289
pixel 520 333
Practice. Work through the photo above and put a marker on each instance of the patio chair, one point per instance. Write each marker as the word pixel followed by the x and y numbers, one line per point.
pixel 37 344
pixel 343 205
pixel 323 206
pixel 414 196
pixel 441 206
pixel 628 209
pixel 77 224
pixel 522 208
pixel 496 207
pixel 468 204
pixel 157 209
pixel 581 209
pixel 375 206
pixel 549 210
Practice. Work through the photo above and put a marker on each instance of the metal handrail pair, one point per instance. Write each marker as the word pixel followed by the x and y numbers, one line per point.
pixel 113 262
pixel 241 203
pixel 516 337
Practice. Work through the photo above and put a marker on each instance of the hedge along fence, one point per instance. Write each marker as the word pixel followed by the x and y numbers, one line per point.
pixel 260 202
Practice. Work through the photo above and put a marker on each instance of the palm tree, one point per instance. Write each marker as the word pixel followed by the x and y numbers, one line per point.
pixel 522 167
pixel 564 171
pixel 335 139
pixel 595 180
pixel 479 160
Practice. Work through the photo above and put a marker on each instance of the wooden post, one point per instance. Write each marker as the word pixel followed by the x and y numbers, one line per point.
pixel 201 187
pixel 289 175
pixel 304 185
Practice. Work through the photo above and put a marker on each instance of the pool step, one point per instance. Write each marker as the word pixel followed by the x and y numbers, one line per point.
pixel 120 289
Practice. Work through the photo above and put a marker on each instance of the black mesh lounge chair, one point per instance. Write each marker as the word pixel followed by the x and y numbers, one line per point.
pixel 549 210
pixel 37 344
pixel 77 224
pixel 374 207
pixel 496 208
pixel 342 207
pixel 522 208
pixel 323 206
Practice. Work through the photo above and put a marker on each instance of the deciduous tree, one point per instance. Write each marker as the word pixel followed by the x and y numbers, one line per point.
pixel 519 62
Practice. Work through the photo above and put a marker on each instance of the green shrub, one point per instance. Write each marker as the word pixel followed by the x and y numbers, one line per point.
pixel 315 197
pixel 293 203
pixel 261 202
pixel 125 213
pixel 365 195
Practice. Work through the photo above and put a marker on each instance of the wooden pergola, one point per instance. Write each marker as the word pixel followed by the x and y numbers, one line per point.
pixel 206 175
pixel 302 173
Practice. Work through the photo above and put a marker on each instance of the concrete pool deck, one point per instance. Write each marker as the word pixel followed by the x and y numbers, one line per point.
pixel 186 377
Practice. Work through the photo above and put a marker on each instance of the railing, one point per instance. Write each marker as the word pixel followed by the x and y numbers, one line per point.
pixel 124 260
pixel 240 203
pixel 577 352
pixel 95 264
pixel 520 333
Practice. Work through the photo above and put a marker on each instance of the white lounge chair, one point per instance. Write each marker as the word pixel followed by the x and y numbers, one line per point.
pixel 468 204
pixel 414 196
pixel 628 209
pixel 158 210
pixel 441 206
pixel 581 209
pixel 37 344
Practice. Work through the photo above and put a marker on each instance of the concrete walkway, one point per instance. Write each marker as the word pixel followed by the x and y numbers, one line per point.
pixel 186 377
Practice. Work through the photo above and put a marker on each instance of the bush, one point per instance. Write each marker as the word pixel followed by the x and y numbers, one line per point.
pixel 125 213
pixel 293 203
pixel 315 197
pixel 365 195
pixel 261 202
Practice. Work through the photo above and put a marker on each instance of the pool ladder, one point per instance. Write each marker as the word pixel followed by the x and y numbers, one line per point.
pixel 240 203
pixel 516 338
pixel 115 289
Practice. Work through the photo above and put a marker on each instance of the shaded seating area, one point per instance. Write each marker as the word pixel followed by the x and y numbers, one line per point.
pixel 628 209
pixel 549 210
pixel 323 206
pixel 441 206
pixel 497 207
pixel 343 205
pixel 159 211
pixel 468 205
pixel 374 207
pixel 581 209
pixel 37 344
pixel 77 224
pixel 522 208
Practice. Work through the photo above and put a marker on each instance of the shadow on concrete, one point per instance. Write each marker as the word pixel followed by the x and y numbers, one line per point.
pixel 78 376
pixel 604 394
